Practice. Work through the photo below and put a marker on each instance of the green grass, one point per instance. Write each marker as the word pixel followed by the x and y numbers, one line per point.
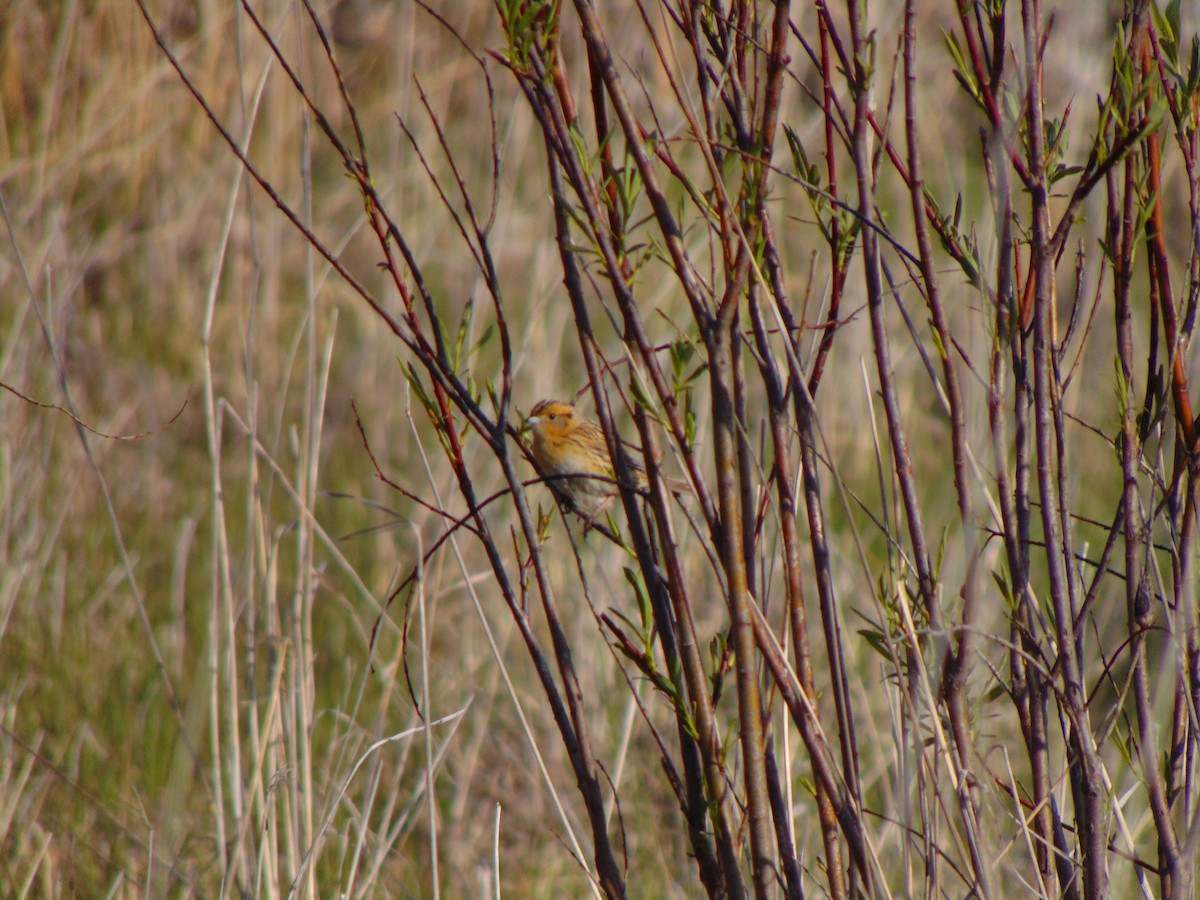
pixel 227 557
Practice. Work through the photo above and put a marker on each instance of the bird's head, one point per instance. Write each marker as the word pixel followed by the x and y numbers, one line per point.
pixel 552 418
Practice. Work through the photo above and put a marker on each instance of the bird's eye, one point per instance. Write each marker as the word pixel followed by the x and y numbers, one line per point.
pixel 552 416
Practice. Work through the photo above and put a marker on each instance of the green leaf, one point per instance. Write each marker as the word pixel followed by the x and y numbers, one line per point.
pixel 616 529
pixel 681 354
pixel 937 341
pixel 716 653
pixel 579 143
pixel 995 692
pixel 493 395
pixel 1062 171
pixel 963 72
pixel 414 381
pixel 485 338
pixel 640 397
pixel 1005 589
pixel 464 326
pixel 638 583
pixel 877 642
pixel 1193 75
pixel 1166 22
pixel 940 556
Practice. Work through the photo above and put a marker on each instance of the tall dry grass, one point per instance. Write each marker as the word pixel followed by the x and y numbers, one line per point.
pixel 197 547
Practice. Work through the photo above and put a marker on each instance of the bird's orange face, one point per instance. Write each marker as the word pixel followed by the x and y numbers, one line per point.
pixel 552 424
pixel 553 418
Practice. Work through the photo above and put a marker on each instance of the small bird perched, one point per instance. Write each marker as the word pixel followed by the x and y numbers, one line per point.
pixel 566 444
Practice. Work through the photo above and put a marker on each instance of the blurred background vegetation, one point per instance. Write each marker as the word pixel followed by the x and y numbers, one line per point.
pixel 191 557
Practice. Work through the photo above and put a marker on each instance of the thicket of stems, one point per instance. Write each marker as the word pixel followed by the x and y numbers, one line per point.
pixel 1039 739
